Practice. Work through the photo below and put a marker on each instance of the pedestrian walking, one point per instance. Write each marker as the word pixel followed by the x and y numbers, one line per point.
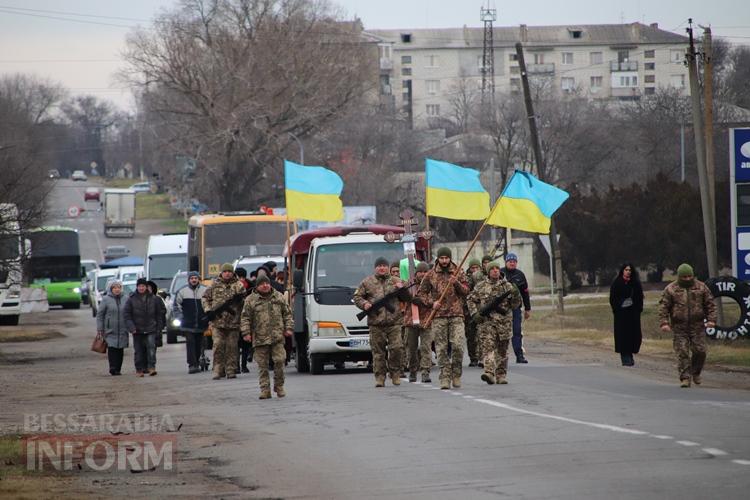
pixel 144 319
pixel 626 300
pixel 419 338
pixel 222 302
pixel 154 289
pixel 491 305
pixel 518 278
pixel 245 348
pixel 187 308
pixel 385 323
pixel 266 321
pixel 687 308
pixel 110 323
pixel 448 323
pixel 472 338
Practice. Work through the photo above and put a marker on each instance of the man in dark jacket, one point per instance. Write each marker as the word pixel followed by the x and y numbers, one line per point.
pixel 144 315
pixel 188 309
pixel 516 276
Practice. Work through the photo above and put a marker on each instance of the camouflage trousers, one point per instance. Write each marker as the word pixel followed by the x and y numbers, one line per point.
pixel 225 350
pixel 494 339
pixel 690 347
pixel 473 344
pixel 419 349
pixel 449 334
pixel 264 353
pixel 382 338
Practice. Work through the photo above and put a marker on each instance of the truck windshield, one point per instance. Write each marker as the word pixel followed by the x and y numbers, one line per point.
pixel 164 267
pixel 347 264
pixel 8 247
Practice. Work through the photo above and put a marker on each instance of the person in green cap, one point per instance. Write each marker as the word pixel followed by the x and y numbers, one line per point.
pixel 686 309
pixel 222 302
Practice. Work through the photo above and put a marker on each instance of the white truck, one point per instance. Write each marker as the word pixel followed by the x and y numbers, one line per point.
pixel 328 264
pixel 119 213
pixel 10 265
pixel 165 255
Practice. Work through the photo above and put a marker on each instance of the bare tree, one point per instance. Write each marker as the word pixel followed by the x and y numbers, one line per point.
pixel 229 81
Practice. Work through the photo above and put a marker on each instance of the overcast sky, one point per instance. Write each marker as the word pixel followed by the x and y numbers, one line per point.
pixel 77 42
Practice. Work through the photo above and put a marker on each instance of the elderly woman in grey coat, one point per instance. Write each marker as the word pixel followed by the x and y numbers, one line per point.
pixel 110 323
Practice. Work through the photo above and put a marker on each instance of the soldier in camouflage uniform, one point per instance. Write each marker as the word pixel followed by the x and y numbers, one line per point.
pixel 496 328
pixel 222 302
pixel 266 319
pixel 419 339
pixel 448 322
pixel 472 344
pixel 385 326
pixel 684 306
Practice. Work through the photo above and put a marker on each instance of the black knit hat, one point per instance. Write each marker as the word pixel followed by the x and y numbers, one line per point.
pixel 444 252
pixel 141 281
pixel 381 261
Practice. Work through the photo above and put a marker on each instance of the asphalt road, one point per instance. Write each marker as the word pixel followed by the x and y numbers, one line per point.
pixel 559 430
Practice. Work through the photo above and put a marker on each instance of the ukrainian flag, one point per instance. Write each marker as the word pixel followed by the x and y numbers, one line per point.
pixel 312 193
pixel 455 192
pixel 527 204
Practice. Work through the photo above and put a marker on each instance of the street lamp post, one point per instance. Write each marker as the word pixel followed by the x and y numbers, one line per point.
pixel 301 148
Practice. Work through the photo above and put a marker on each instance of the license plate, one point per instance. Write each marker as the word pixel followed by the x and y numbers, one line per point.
pixel 359 343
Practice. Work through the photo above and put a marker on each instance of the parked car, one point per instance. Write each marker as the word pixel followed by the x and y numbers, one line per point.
pixel 141 187
pixel 99 287
pixel 113 252
pixel 91 194
pixel 88 268
pixel 53 173
pixel 251 264
pixel 173 326
pixel 79 175
pixel 130 273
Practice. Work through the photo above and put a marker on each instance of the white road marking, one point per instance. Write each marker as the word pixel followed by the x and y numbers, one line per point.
pixel 688 443
pixel 715 452
pixel 741 462
pixel 661 436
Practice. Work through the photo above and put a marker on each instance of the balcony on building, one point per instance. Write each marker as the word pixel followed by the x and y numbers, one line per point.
pixel 623 66
pixel 386 64
pixel 540 69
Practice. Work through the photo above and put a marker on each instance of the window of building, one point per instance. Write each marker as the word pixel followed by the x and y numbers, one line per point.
pixel 649 66
pixel 432 109
pixel 433 86
pixel 432 61
pixel 515 85
pixel 405 84
pixel 629 81
pixel 649 79
pixel 406 71
pixel 513 57
pixel 567 58
pixel 515 70
pixel 575 33
pixel 623 56
pixel 538 58
pixel 676 56
pixel 567 83
pixel 596 58
pixel 406 37
pixel 385 51
pixel 596 83
pixel 405 96
pixel 649 90
pixel 405 59
pixel 677 81
pixel 649 54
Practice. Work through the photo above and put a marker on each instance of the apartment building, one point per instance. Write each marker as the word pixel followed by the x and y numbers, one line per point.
pixel 424 71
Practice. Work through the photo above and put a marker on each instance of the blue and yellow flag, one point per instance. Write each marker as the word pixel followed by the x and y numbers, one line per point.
pixel 527 204
pixel 455 192
pixel 312 193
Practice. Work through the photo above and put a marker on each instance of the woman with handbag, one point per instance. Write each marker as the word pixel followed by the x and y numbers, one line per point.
pixel 110 323
pixel 626 300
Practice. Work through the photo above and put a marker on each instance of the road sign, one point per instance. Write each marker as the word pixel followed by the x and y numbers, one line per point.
pixel 739 180
pixel 74 211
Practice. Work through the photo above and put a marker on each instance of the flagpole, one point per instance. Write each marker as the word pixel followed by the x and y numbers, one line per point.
pixel 429 240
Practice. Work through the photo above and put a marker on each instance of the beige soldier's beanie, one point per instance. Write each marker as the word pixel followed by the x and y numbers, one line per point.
pixel 492 264
pixel 262 279
pixel 474 262
pixel 227 267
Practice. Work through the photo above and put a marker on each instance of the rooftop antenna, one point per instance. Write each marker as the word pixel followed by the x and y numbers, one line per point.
pixel 488 16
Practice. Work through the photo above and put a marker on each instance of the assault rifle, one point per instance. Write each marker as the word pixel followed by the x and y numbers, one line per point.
pixel 494 305
pixel 213 313
pixel 385 301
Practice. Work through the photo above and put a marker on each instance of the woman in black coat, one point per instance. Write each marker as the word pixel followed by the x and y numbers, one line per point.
pixel 626 299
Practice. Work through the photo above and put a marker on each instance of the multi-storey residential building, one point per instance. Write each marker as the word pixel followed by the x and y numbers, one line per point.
pixel 424 70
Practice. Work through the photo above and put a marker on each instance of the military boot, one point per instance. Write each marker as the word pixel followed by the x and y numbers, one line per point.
pixel 380 382
pixel 445 384
pixel 501 379
pixel 457 382
pixel 697 379
pixel 413 377
pixel 265 394
pixel 685 382
pixel 488 378
pixel 279 390
pixel 396 380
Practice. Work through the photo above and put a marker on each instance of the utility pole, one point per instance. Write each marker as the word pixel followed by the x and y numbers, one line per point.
pixel 709 227
pixel 541 170
pixel 488 16
pixel 708 103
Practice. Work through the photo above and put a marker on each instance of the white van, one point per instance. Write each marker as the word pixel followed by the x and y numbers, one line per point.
pixel 166 254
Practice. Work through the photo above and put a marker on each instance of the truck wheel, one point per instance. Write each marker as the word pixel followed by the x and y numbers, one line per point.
pixel 300 355
pixel 316 364
pixel 171 337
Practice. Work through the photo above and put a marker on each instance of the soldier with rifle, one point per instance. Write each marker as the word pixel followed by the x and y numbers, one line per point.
pixel 222 302
pixel 491 305
pixel 377 296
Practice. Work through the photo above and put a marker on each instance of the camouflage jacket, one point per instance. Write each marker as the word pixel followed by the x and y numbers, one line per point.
pixel 433 284
pixel 487 290
pixel 685 307
pixel 424 308
pixel 374 288
pixel 217 294
pixel 266 318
